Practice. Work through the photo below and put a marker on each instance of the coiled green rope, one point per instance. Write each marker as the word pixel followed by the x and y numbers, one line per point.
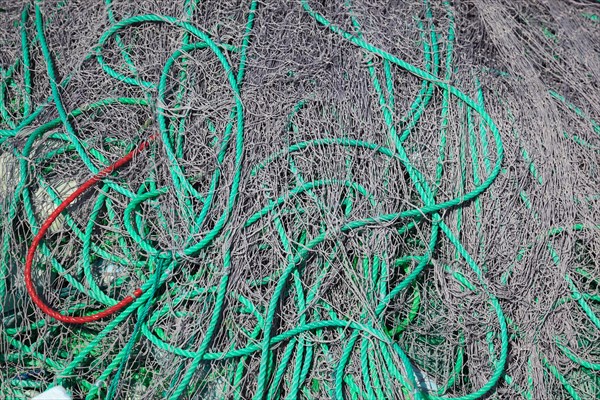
pixel 373 342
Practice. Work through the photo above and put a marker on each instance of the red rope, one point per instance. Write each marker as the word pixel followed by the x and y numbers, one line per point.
pixel 40 235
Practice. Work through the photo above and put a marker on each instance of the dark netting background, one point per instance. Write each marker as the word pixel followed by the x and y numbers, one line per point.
pixel 318 199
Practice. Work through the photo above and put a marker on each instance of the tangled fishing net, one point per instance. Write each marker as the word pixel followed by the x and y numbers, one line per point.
pixel 300 199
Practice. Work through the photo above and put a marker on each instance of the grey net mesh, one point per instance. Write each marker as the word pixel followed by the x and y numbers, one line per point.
pixel 300 199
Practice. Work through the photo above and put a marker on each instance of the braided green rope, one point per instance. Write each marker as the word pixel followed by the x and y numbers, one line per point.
pixel 286 359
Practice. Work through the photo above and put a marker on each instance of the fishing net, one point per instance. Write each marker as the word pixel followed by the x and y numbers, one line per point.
pixel 300 199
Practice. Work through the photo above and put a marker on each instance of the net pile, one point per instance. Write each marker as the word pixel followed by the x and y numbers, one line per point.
pixel 300 199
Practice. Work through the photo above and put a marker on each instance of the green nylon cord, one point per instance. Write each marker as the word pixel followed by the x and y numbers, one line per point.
pixel 287 358
pixel 577 296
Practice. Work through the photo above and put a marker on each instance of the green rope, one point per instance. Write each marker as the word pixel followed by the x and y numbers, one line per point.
pixel 371 344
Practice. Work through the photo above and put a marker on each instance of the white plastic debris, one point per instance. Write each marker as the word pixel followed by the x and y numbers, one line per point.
pixel 45 206
pixel 425 382
pixel 7 180
pixel 55 393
